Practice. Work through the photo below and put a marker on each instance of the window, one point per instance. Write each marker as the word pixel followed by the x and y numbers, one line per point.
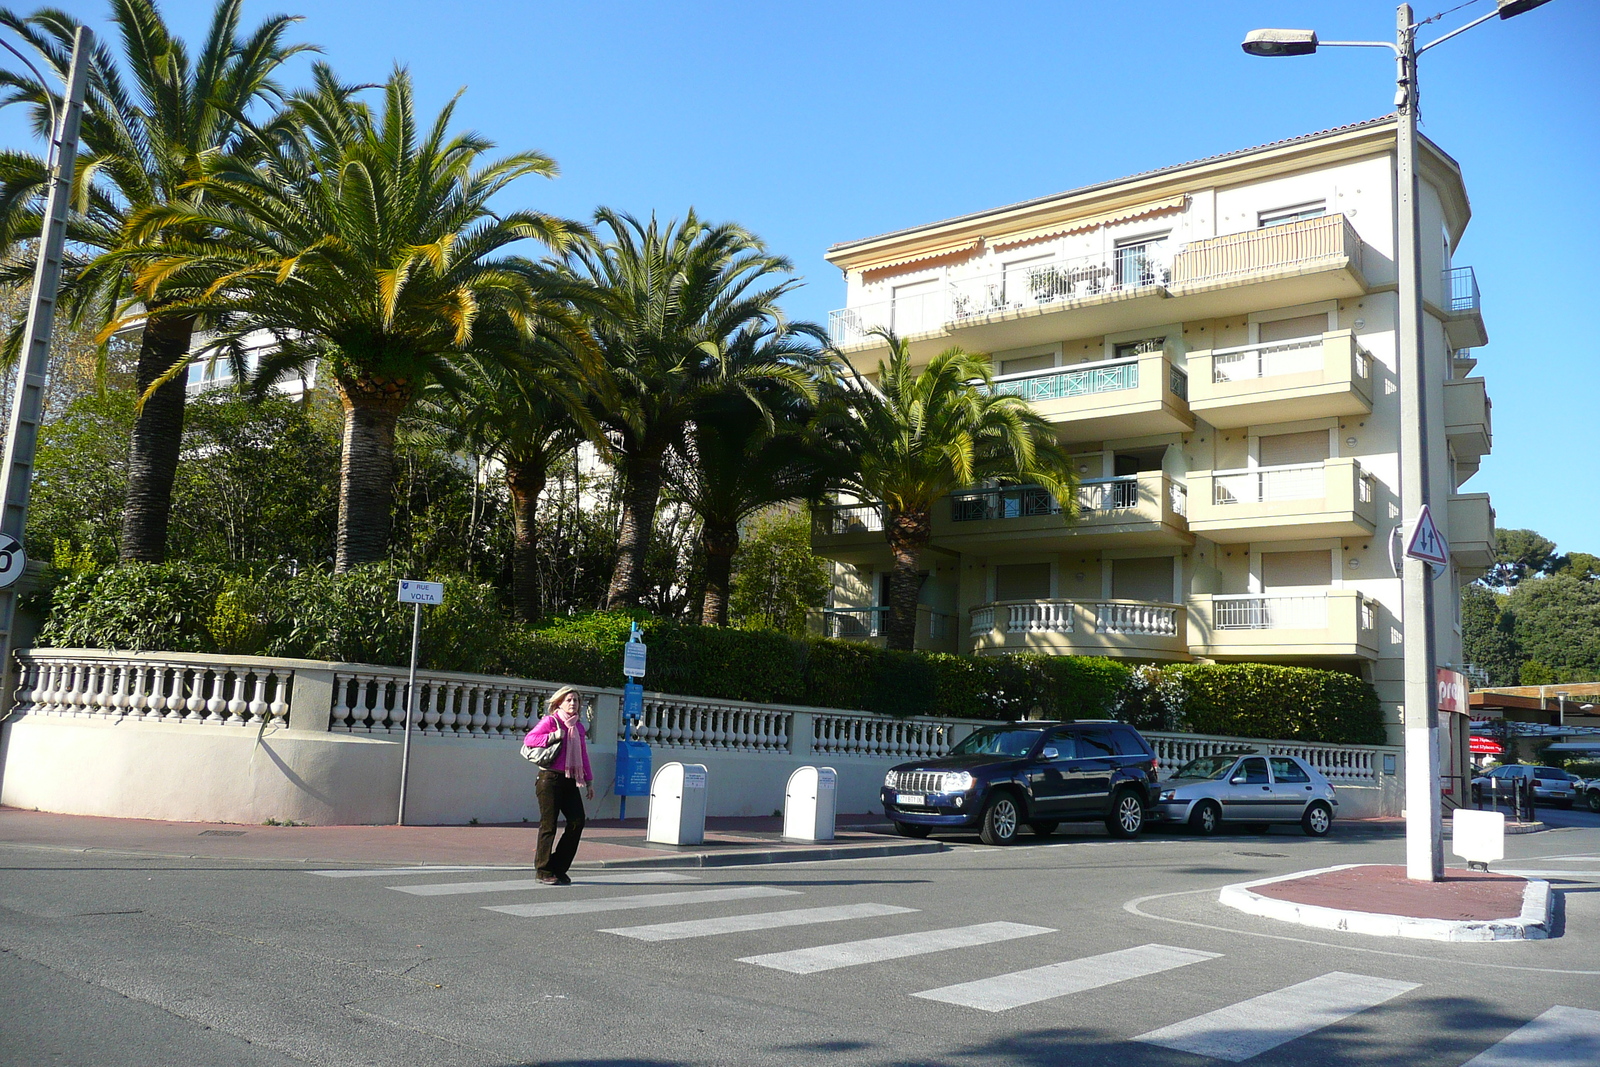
pixel 1142 579
pixel 1286 770
pixel 1290 569
pixel 1127 742
pixel 1283 449
pixel 1065 742
pixel 1022 581
pixel 1096 743
pixel 1130 349
pixel 1292 329
pixel 1025 364
pixel 1141 261
pixel 1297 213
pixel 1254 771
pixel 917 307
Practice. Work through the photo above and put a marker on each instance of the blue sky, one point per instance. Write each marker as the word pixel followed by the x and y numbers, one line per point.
pixel 822 122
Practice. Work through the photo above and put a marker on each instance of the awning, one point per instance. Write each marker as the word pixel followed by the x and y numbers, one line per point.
pixel 1079 225
pixel 1485 745
pixel 965 248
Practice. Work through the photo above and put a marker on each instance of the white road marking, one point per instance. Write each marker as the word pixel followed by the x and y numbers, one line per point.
pixel 374 873
pixel 1551 874
pixel 448 889
pixel 877 949
pixel 643 900
pixel 1253 1026
pixel 1561 1037
pixel 768 920
pixel 1006 991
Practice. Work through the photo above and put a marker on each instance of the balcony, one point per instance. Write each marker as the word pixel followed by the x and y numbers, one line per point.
pixel 1470 530
pixel 1463 310
pixel 1332 622
pixel 1334 498
pixel 936 630
pixel 1128 397
pixel 1466 422
pixel 1137 509
pixel 1131 628
pixel 1124 288
pixel 849 533
pixel 1305 378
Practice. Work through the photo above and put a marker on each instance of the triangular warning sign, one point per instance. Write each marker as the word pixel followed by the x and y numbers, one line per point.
pixel 1426 542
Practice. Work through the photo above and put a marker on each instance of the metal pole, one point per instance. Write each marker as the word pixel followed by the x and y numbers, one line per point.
pixel 1424 829
pixel 411 709
pixel 27 401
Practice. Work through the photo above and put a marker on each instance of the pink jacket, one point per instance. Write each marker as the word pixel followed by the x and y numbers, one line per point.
pixel 549 725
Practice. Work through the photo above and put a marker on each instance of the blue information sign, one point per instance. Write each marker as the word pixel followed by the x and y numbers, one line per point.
pixel 633 769
pixel 633 701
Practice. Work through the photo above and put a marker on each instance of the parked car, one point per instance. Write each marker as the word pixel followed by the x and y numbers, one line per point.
pixel 1038 774
pixel 1551 785
pixel 1589 790
pixel 1247 787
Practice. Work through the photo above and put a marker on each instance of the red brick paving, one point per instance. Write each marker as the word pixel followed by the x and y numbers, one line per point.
pixel 1385 890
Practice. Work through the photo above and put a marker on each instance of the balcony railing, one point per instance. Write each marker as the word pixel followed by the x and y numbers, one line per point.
pixel 1130 618
pixel 1110 376
pixel 1114 617
pixel 859 623
pixel 836 519
pixel 1273 611
pixel 1262 485
pixel 1109 494
pixel 1299 356
pixel 1461 290
pixel 1328 238
pixel 1029 501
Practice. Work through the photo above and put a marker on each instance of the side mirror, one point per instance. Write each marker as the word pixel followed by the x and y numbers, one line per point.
pixel 1237 779
pixel 1049 753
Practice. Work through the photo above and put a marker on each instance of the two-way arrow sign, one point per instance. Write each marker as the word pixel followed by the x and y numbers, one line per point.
pixel 1427 543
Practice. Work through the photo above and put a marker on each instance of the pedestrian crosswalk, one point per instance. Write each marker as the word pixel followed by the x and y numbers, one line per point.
pixel 1232 1032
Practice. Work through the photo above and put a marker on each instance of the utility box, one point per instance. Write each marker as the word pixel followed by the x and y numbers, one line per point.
pixel 809 804
pixel 1479 837
pixel 677 805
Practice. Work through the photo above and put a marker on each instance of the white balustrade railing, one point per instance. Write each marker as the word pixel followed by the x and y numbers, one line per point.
pixel 1041 616
pixel 878 738
pixel 154 687
pixel 1130 618
pixel 1270 612
pixel 1299 356
pixel 982 620
pixel 373 700
pixel 1349 764
pixel 718 726
pixel 1266 485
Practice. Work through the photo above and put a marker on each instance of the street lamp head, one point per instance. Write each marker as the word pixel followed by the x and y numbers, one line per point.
pixel 1513 8
pixel 1280 42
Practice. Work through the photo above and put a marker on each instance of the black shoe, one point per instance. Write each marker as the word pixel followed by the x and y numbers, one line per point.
pixel 548 879
pixel 562 879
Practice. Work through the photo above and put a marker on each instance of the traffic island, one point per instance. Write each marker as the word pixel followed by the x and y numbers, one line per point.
pixel 1379 899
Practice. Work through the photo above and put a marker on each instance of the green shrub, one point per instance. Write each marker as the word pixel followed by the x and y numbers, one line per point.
pixel 1281 703
pixel 135 607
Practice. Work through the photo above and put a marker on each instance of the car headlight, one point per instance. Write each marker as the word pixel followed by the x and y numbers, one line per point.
pixel 892 779
pixel 957 782
pixel 1169 794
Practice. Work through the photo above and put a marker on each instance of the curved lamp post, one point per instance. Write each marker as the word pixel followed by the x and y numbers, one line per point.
pixel 1424 850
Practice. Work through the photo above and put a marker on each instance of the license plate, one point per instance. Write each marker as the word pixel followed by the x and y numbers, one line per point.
pixel 911 800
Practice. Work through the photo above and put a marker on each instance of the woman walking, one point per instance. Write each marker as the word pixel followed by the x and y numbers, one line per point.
pixel 557 786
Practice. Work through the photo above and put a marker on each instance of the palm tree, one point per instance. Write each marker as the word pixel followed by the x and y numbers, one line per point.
pixel 677 297
pixel 919 435
pixel 367 245
pixel 144 142
pixel 522 402
pixel 745 451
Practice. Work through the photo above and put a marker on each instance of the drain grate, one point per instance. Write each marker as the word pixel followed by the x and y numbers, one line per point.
pixel 222 833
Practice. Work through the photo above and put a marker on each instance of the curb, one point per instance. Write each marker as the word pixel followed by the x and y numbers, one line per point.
pixel 752 859
pixel 1533 924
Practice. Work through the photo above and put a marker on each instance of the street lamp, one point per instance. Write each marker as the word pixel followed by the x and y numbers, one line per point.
pixel 1424 851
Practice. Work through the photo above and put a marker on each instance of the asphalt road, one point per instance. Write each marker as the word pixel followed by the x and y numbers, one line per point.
pixel 1128 961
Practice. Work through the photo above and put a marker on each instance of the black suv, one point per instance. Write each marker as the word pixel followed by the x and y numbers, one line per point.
pixel 1038 773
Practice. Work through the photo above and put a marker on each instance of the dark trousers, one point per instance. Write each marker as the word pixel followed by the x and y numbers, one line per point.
pixel 558 795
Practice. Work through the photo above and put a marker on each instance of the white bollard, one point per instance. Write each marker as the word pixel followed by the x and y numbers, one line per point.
pixel 1479 837
pixel 809 803
pixel 677 805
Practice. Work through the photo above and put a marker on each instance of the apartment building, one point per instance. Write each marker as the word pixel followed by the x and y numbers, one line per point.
pixel 1215 343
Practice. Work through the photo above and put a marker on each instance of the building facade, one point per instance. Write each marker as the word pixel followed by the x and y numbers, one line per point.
pixel 1215 344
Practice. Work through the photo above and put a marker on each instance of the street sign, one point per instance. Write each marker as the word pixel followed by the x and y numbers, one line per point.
pixel 633 655
pixel 12 560
pixel 1426 543
pixel 633 769
pixel 420 592
pixel 633 703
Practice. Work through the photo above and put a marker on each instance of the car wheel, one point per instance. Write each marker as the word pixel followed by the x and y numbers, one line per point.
pixel 1317 820
pixel 1594 801
pixel 1044 828
pixel 999 825
pixel 1127 815
pixel 905 829
pixel 1206 818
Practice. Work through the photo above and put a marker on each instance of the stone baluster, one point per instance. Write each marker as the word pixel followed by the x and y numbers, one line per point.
pixel 117 701
pixel 278 708
pixel 340 719
pixel 449 709
pixel 495 721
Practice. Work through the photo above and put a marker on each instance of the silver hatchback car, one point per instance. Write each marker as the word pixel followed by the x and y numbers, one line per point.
pixel 1246 787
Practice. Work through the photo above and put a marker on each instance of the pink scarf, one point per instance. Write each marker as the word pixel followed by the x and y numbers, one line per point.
pixel 573 748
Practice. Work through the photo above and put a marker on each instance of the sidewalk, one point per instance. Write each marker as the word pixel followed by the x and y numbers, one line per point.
pixel 606 843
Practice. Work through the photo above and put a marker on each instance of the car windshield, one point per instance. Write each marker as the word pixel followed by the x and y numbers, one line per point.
pixel 1209 767
pixel 997 743
pixel 1554 773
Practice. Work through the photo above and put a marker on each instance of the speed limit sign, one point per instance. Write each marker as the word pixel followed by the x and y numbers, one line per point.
pixel 12 560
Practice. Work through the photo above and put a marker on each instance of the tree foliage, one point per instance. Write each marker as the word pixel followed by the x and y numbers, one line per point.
pixel 777 579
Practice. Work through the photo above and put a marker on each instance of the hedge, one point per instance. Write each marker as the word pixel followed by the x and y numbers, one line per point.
pixel 353 617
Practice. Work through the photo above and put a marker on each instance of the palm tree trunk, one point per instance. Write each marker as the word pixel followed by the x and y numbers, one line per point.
pixel 720 541
pixel 907 534
pixel 372 409
pixel 525 479
pixel 157 440
pixel 641 491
